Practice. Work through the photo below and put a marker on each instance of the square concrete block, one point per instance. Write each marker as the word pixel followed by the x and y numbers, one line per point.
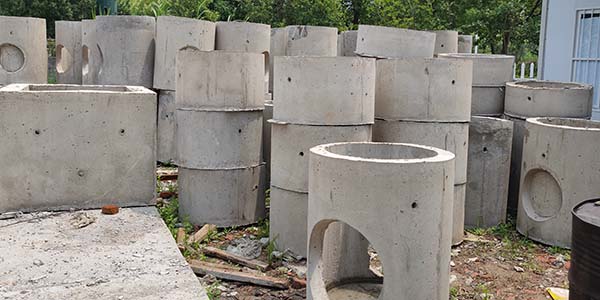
pixel 71 146
pixel 23 55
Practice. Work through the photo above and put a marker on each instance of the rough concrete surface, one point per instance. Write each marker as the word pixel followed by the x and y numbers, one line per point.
pixel 515 163
pixel 130 255
pixel 465 43
pixel 390 42
pixel 458 214
pixel 166 148
pixel 446 41
pixel 347 43
pixel 90 53
pixel 266 140
pixel 304 40
pixel 23 54
pixel 68 52
pixel 287 220
pixel 71 146
pixel 243 36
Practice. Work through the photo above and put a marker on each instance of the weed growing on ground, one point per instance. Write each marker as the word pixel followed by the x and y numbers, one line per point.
pixel 212 291
pixel 169 212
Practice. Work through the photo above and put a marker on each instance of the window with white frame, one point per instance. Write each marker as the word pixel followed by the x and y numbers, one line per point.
pixel 586 55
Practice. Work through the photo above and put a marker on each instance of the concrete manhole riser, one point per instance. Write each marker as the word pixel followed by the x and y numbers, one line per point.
pixel 347 43
pixel 166 150
pixel 75 155
pixel 489 72
pixel 232 197
pixel 220 80
pixel 490 144
pixel 23 54
pixel 287 219
pixel 424 89
pixel 389 42
pixel 446 41
pixel 244 37
pixel 290 145
pixel 173 34
pixel 405 192
pixel 465 44
pixel 560 170
pixel 90 53
pixel 126 50
pixel 68 52
pixel 305 92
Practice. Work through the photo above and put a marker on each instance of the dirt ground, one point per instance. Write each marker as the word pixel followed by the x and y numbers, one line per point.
pixel 495 263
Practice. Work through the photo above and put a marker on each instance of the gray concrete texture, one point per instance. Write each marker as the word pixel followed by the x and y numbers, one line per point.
pixel 166 151
pixel 490 75
pixel 306 92
pixel 220 80
pixel 515 164
pixel 404 193
pixel 560 170
pixel 465 43
pixel 390 42
pixel 287 219
pixel 244 37
pixel 266 140
pixel 126 50
pixel 446 41
pixel 490 144
pixel 421 89
pixel 172 35
pixel 23 55
pixel 90 53
pixel 87 255
pixel 347 43
pixel 68 52
pixel 458 214
pixel 71 146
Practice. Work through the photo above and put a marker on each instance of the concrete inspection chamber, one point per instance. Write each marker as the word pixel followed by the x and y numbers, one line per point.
pixel 219 104
pixel 23 53
pixel 76 147
pixel 68 52
pixel 404 193
pixel 446 41
pixel 490 75
pixel 560 169
pixel 527 99
pixel 390 42
pixel 311 107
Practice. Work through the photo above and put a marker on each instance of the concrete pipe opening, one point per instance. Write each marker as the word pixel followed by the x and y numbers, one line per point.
pixel 375 152
pixel 573 124
pixel 63 59
pixel 537 84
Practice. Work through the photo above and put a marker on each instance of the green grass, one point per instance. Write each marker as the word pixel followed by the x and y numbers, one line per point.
pixel 212 291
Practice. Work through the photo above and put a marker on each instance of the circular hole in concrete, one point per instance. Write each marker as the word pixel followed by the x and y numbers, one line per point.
pixel 544 155
pixel 381 151
pixel 542 195
pixel 37 132
pixel 453 81
pixel 414 205
pixel 442 45
pixel 12 58
pixel 301 153
pixel 239 131
pixel 122 131
pixel 289 79
pixel 485 149
pixel 529 98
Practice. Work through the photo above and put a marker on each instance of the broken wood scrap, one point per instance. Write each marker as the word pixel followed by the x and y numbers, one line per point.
pixel 201 234
pixel 235 274
pixel 236 259
pixel 180 238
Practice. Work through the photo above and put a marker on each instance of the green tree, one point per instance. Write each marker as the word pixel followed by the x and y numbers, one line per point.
pixel 257 11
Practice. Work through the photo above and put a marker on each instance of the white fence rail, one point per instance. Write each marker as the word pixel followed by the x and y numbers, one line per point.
pixel 522 75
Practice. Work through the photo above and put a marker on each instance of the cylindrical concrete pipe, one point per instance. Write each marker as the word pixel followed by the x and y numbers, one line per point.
pixel 126 46
pixel 404 192
pixel 347 43
pixel 219 128
pixel 427 101
pixel 90 53
pixel 68 52
pixel 560 169
pixel 527 99
pixel 490 144
pixel 311 41
pixel 23 53
pixel 446 41
pixel 390 42
pixel 490 75
pixel 173 34
pixel 465 43
pixel 312 108
pixel 166 150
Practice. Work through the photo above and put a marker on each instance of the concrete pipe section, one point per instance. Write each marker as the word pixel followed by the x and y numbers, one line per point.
pixel 347 43
pixel 68 52
pixel 465 44
pixel 173 34
pixel 404 192
pixel 490 75
pixel 166 137
pixel 560 169
pixel 94 146
pixel 23 54
pixel 490 144
pixel 219 111
pixel 126 50
pixel 90 52
pixel 390 42
pixel 527 99
pixel 266 140
pixel 446 41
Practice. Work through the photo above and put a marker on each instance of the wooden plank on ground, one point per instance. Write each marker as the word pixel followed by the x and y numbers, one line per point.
pixel 201 234
pixel 236 259
pixel 232 274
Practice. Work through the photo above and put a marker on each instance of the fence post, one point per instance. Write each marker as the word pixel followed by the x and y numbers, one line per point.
pixel 531 70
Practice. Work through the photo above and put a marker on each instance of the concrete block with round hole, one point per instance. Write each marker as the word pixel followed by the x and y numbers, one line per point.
pixel 324 90
pixel 424 89
pixel 560 169
pixel 490 75
pixel 446 41
pixel 90 53
pixel 393 195
pixel 68 52
pixel 490 145
pixel 76 147
pixel 166 151
pixel 390 42
pixel 172 35
pixel 23 53
pixel 126 50
pixel 465 43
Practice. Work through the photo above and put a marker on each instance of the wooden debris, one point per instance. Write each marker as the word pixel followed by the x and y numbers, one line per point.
pixel 167 177
pixel 236 259
pixel 201 234
pixel 298 283
pixel 235 274
pixel 180 238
